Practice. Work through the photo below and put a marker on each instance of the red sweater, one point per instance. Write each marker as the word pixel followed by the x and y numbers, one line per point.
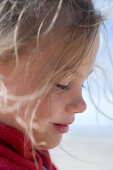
pixel 15 155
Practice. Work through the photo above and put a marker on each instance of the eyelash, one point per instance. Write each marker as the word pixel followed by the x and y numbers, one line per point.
pixel 66 87
pixel 63 87
pixel 83 86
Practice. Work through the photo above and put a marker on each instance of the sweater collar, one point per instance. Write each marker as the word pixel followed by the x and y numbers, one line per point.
pixel 20 144
pixel 16 140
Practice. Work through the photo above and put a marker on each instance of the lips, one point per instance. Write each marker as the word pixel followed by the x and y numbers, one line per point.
pixel 61 128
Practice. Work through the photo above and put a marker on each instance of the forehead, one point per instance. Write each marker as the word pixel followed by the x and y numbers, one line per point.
pixel 73 51
pixel 88 61
pixel 56 51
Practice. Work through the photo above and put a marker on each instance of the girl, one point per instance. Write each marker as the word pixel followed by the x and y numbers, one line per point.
pixel 47 50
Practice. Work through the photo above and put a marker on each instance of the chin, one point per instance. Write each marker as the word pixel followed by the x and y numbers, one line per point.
pixel 48 144
pixel 48 139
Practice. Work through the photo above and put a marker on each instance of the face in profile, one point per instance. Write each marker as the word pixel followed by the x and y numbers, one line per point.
pixel 57 109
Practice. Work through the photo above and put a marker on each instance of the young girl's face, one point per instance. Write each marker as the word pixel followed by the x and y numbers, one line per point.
pixel 57 110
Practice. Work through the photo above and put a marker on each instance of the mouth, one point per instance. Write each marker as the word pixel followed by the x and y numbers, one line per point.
pixel 62 127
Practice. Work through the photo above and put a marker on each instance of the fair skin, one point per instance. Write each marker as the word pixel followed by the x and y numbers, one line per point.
pixel 64 105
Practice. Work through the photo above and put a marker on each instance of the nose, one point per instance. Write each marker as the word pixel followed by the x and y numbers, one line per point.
pixel 76 105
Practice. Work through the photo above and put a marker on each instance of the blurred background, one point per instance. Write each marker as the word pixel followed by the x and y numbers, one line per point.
pixel 89 143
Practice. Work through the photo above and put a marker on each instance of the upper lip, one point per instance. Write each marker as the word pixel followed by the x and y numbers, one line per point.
pixel 65 123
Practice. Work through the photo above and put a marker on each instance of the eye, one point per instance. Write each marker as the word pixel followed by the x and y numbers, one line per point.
pixel 83 86
pixel 63 87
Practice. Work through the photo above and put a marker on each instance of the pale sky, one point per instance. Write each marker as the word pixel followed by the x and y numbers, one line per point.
pixel 101 85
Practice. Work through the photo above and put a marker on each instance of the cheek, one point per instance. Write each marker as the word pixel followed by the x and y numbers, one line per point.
pixel 49 109
pixel 57 102
pixel 43 113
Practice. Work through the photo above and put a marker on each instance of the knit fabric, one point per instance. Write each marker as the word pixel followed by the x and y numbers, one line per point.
pixel 16 152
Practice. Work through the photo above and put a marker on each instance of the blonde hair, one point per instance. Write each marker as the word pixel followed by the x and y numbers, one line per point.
pixel 43 18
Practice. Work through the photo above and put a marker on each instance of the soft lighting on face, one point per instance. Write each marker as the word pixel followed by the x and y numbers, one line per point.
pixel 36 126
pixel 42 143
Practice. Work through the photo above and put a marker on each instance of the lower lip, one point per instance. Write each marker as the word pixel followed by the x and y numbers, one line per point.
pixel 61 128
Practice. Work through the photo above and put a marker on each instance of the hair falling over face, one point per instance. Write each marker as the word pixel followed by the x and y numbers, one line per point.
pixel 42 42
